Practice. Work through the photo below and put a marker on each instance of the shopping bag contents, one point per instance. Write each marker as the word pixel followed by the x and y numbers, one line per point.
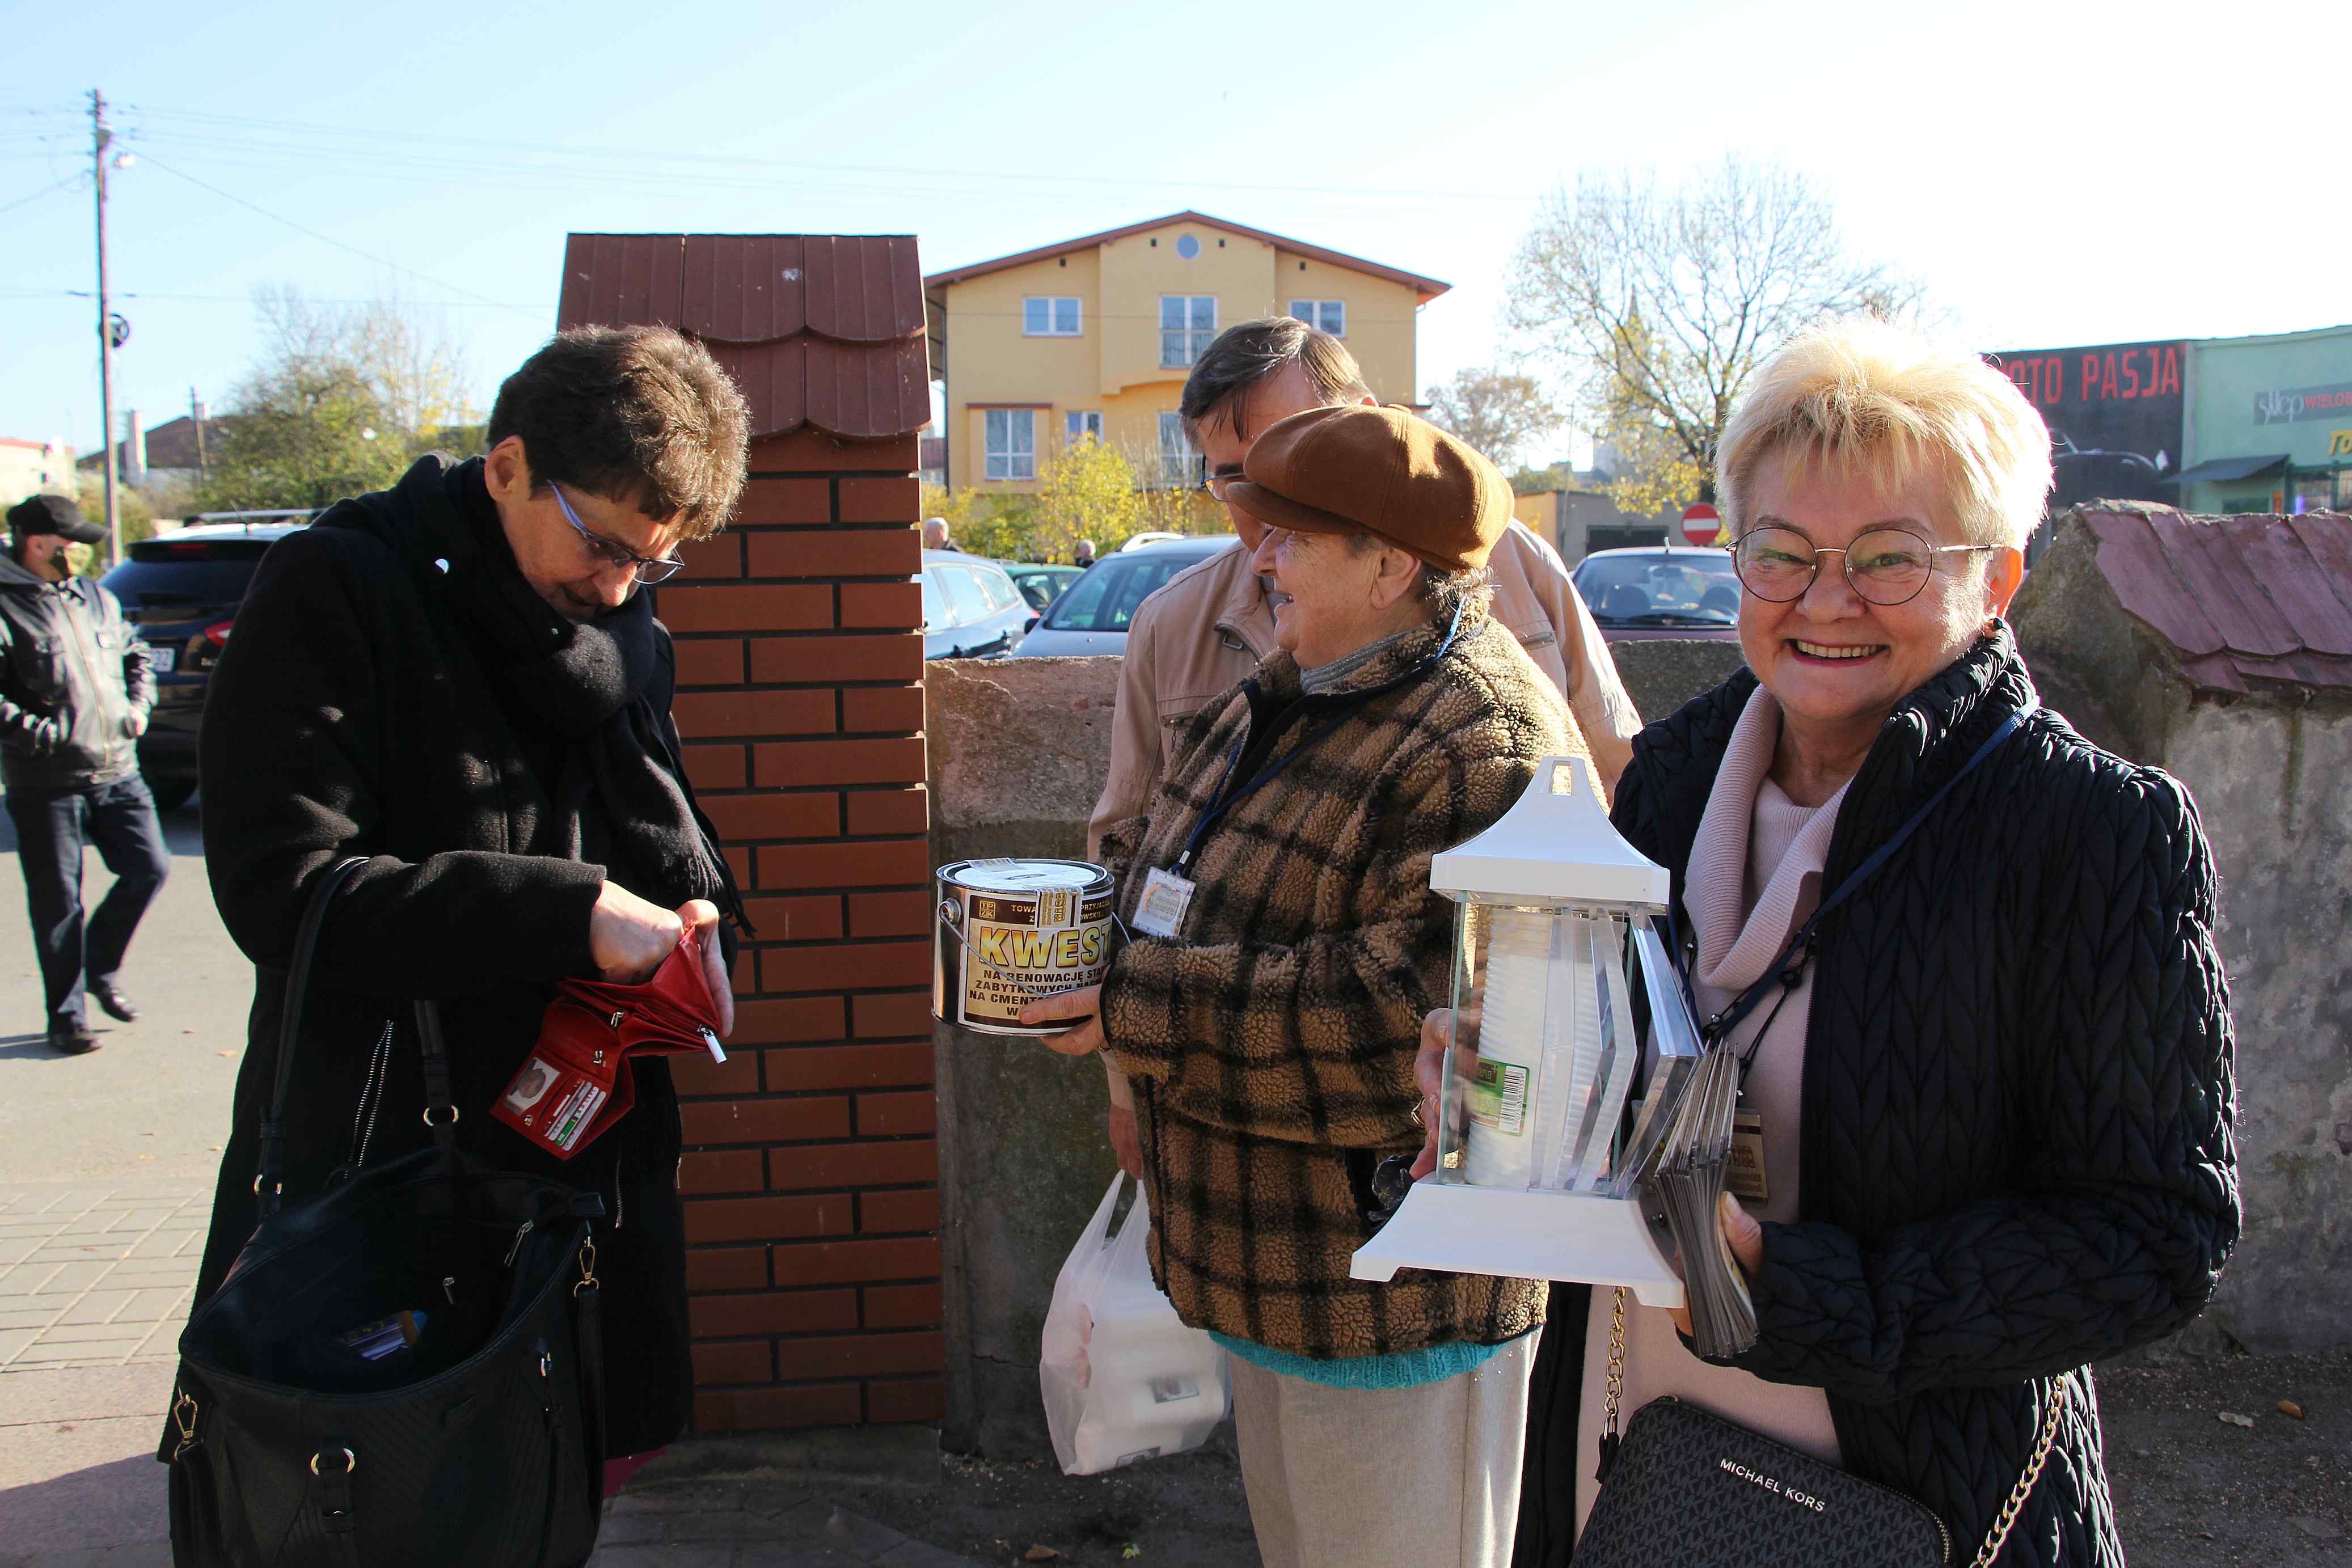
pixel 1123 1378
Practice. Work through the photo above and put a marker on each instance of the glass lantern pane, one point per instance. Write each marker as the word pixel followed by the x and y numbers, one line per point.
pixel 1545 1054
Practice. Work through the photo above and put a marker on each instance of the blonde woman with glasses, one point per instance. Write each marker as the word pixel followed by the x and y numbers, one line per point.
pixel 1995 1100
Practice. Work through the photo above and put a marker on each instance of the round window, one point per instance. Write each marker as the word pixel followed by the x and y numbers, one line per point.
pixel 1188 247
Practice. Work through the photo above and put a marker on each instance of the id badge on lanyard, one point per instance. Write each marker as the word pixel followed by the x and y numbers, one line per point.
pixel 1166 897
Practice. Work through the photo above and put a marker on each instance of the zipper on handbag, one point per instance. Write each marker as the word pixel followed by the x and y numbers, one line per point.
pixel 527 1227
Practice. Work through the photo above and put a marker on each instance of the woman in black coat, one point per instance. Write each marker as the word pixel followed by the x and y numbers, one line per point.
pixel 457 679
pixel 1997 1104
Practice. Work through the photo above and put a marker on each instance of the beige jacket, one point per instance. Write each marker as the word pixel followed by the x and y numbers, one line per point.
pixel 1209 627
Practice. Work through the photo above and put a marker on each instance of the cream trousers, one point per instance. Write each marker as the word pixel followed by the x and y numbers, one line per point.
pixel 1385 1477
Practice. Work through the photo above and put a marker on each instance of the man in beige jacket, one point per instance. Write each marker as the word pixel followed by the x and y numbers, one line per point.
pixel 1210 625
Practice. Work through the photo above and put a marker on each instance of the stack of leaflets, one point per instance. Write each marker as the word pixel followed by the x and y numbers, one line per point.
pixel 1693 1161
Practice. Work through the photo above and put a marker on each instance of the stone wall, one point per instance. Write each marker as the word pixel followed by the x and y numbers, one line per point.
pixel 2268 772
pixel 1018 751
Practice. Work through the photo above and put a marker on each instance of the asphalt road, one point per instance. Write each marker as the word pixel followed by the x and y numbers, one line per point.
pixel 153 1102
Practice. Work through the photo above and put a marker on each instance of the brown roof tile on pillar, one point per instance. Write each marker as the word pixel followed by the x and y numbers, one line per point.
pixel 800 625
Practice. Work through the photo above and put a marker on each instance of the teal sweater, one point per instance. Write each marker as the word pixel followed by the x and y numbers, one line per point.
pixel 1406 1369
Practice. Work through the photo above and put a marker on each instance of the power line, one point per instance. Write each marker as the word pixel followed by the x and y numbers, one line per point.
pixel 329 239
pixel 248 299
pixel 70 179
pixel 605 155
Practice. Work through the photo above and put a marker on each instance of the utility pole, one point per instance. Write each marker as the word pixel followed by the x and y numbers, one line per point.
pixel 100 136
pixel 196 417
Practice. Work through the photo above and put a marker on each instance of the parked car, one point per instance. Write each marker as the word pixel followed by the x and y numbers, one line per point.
pixel 181 592
pixel 1092 616
pixel 1152 537
pixel 1041 583
pixel 1638 594
pixel 971 608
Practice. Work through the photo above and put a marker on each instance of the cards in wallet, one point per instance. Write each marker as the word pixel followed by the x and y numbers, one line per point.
pixel 577 1081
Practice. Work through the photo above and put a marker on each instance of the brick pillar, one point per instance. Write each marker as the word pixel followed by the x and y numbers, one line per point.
pixel 811 1175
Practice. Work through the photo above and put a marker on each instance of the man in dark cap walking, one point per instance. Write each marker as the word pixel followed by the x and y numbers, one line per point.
pixel 75 685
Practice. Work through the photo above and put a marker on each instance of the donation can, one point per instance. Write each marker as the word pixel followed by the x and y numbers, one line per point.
pixel 1007 931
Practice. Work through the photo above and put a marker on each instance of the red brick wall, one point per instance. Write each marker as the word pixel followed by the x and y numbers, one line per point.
pixel 811 1175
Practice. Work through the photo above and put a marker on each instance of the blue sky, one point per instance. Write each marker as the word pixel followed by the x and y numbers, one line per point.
pixel 2057 174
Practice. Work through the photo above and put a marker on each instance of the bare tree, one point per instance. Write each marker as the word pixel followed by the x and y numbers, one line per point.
pixel 1497 412
pixel 1659 304
pixel 341 399
pixel 405 355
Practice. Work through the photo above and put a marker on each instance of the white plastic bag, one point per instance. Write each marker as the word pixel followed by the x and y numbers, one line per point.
pixel 1123 1378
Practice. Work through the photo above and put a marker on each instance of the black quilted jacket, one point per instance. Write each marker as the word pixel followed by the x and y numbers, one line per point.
pixel 2018 1096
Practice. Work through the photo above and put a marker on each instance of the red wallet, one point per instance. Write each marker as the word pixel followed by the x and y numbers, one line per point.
pixel 576 1083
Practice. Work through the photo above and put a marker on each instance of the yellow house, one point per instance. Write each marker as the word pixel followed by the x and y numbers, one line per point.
pixel 1093 336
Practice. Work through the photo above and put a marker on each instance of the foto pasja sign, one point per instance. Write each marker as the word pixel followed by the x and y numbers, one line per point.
pixel 2116 414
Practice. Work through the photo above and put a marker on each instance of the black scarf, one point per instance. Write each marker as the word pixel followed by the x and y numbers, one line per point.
pixel 590 688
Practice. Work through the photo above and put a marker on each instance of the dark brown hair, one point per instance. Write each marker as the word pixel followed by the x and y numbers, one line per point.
pixel 639 414
pixel 1250 352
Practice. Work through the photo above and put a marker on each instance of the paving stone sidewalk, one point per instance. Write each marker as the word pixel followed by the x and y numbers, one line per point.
pixel 97 1274
pixel 750 1524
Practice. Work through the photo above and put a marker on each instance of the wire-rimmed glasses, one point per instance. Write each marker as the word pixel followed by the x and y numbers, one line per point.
pixel 611 552
pixel 1884 566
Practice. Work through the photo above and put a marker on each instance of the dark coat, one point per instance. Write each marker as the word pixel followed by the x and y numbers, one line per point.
pixel 72 675
pixel 2017 1095
pixel 350 715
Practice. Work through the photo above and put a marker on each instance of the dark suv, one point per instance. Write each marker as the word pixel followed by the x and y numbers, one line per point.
pixel 181 591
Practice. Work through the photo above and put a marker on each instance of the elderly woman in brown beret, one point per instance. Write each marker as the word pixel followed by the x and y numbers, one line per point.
pixel 1286 945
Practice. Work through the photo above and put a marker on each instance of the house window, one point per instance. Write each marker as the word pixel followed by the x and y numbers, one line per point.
pixel 1187 323
pixel 1080 424
pixel 1049 316
pixel 1012 443
pixel 1179 463
pixel 1331 315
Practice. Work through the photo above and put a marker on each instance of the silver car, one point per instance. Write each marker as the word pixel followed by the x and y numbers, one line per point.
pixel 1092 614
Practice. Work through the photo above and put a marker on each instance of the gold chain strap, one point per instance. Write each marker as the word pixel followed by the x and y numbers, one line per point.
pixel 1616 1361
pixel 1995 1539
pixel 1998 1536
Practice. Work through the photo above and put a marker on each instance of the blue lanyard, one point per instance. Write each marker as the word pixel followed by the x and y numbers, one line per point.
pixel 1789 970
pixel 1222 802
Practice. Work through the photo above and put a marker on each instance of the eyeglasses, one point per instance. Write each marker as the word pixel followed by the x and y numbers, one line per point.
pixel 1885 566
pixel 1215 481
pixel 614 554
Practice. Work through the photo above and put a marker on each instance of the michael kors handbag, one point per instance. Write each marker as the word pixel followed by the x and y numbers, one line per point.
pixel 1687 1490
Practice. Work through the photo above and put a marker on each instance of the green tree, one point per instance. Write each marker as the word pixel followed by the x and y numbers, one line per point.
pixel 131 509
pixel 1659 304
pixel 341 401
pixel 1085 491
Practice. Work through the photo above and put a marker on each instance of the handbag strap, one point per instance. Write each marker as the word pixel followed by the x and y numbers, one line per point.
pixel 440 1110
pixel 2045 1438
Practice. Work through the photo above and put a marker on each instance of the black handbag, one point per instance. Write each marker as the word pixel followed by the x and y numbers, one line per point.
pixel 1687 1490
pixel 406 1369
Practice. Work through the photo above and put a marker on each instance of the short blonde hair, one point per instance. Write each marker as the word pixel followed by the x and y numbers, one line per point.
pixel 1863 396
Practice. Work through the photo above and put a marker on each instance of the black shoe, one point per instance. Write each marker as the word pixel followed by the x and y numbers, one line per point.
pixel 73 1041
pixel 115 1004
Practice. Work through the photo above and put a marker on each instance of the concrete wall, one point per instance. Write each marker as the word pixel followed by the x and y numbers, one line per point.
pixel 2268 773
pixel 1018 751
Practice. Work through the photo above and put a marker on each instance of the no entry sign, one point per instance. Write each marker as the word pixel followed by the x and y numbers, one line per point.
pixel 1701 524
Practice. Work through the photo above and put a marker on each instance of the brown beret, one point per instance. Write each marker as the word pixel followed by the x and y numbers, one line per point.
pixel 1383 471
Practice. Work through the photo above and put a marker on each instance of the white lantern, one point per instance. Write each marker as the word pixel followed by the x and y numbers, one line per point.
pixel 1535 1176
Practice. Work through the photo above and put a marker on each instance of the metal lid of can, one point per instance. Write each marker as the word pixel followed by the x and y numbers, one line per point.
pixel 1006 874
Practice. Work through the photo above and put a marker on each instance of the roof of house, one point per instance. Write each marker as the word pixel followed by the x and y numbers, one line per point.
pixel 2239 599
pixel 171 445
pixel 823 330
pixel 1424 289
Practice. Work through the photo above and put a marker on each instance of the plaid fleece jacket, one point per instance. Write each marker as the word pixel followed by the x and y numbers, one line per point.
pixel 1271 1042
